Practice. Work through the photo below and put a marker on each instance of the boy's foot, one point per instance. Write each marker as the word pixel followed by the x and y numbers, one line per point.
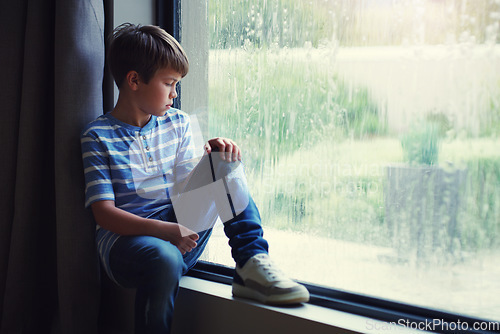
pixel 259 279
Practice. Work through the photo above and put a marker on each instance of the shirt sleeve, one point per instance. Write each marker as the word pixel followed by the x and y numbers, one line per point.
pixel 98 185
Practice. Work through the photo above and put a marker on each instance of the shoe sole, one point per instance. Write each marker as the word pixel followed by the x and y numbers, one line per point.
pixel 298 297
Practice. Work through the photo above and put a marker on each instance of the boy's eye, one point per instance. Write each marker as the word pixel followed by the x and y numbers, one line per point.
pixel 170 84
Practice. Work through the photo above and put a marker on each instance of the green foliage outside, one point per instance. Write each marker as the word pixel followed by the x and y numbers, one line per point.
pixel 490 123
pixel 421 144
pixel 315 147
pixel 296 139
pixel 480 213
pixel 276 107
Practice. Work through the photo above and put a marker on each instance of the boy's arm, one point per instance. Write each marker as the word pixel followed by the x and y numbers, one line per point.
pixel 99 195
pixel 119 221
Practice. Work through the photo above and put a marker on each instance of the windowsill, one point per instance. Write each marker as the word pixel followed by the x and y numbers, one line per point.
pixel 212 295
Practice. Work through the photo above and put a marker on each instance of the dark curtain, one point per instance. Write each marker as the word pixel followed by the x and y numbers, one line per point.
pixel 52 59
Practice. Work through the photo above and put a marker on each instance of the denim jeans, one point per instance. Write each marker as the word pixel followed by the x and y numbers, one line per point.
pixel 154 266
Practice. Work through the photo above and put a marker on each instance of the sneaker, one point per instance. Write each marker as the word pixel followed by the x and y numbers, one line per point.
pixel 259 279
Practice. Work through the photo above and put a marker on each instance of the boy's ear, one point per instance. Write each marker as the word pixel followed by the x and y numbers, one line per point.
pixel 132 79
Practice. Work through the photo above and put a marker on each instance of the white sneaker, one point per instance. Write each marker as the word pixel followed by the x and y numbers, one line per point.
pixel 259 279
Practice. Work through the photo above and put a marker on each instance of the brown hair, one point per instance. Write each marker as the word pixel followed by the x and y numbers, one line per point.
pixel 144 49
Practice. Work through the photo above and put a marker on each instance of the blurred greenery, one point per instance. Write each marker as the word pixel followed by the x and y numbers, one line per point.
pixel 316 146
pixel 490 123
pixel 279 107
pixel 480 214
pixel 297 135
pixel 421 144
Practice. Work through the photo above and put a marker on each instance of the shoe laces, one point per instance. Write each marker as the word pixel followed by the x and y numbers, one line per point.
pixel 268 267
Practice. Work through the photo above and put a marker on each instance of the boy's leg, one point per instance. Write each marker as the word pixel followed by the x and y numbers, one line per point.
pixel 245 233
pixel 256 277
pixel 229 196
pixel 154 267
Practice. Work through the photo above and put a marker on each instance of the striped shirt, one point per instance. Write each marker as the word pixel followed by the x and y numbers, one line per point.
pixel 133 166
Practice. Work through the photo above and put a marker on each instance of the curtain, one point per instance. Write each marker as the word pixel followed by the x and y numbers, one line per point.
pixel 52 58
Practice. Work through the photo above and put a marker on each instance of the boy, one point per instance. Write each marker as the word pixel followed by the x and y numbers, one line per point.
pixel 144 187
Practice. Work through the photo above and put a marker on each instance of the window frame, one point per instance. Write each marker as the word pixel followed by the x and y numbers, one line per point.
pixel 168 16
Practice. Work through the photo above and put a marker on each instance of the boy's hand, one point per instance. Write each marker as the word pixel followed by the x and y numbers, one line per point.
pixel 180 236
pixel 228 149
pixel 116 220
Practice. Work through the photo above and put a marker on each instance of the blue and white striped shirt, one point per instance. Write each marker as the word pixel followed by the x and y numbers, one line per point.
pixel 136 167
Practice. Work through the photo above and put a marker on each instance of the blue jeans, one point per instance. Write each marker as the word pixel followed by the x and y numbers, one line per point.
pixel 154 266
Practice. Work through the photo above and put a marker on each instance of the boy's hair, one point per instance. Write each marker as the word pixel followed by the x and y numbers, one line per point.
pixel 144 49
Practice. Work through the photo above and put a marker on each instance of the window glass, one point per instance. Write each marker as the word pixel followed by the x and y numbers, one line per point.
pixel 370 132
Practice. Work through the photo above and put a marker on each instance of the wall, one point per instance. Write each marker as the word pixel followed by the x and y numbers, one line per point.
pixel 132 11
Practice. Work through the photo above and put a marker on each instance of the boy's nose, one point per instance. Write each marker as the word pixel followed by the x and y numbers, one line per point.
pixel 173 93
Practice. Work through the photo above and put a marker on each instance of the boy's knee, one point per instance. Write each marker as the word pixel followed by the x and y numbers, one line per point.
pixel 166 260
pixel 223 168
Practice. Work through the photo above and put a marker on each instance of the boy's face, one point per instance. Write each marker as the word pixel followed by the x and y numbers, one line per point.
pixel 157 96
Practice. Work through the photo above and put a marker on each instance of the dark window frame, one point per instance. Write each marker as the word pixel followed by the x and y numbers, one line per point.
pixel 168 16
pixel 108 83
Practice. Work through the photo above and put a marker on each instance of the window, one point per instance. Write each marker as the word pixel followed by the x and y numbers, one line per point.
pixel 370 133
